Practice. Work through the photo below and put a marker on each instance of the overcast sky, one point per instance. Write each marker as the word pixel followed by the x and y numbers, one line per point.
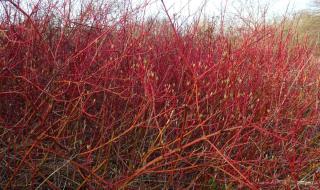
pixel 281 5
pixel 275 7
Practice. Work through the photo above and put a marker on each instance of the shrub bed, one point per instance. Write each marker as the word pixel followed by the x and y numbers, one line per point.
pixel 128 103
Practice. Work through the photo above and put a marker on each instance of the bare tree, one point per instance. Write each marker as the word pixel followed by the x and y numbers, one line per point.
pixel 316 5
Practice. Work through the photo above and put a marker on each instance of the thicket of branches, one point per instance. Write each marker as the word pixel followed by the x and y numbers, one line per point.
pixel 96 96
